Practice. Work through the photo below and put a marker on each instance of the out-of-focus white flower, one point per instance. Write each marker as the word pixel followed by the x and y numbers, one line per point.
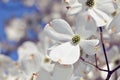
pixel 74 77
pixel 81 69
pixel 15 30
pixel 11 77
pixel 59 72
pixel 28 48
pixel 43 45
pixel 29 58
pixel 30 64
pixel 93 8
pixel 29 3
pixel 62 72
pixel 32 60
pixel 69 50
pixel 46 63
pixel 44 42
pixel 7 67
pixel 114 25
pixel 42 5
pixel 43 75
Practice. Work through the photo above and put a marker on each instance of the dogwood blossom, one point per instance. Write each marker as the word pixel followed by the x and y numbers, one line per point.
pixel 15 27
pixel 7 67
pixel 29 58
pixel 68 52
pixel 59 72
pixel 32 60
pixel 94 8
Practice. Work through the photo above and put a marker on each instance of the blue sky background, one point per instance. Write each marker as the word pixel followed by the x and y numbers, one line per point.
pixel 13 8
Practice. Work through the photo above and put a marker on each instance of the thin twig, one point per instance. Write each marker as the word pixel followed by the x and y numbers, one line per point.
pixel 93 65
pixel 103 46
pixel 118 67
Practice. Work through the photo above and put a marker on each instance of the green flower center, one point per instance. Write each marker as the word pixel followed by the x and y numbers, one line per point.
pixel 90 3
pixel 76 39
pixel 46 60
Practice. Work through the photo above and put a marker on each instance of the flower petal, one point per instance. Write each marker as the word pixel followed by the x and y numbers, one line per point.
pixel 31 64
pixel 105 5
pixel 61 26
pixel 99 20
pixel 115 25
pixel 81 69
pixel 86 26
pixel 69 1
pixel 103 15
pixel 65 53
pixel 26 49
pixel 62 72
pixel 74 8
pixel 89 46
pixel 43 75
pixel 59 30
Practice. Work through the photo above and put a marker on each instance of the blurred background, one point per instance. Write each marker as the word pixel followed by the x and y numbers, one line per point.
pixel 24 20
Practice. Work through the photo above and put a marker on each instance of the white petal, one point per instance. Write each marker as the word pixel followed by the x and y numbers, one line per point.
pixel 31 64
pixel 82 1
pixel 62 72
pixel 105 5
pixel 59 30
pixel 74 77
pixel 118 3
pixel 89 46
pixel 65 53
pixel 26 49
pixel 99 20
pixel 69 1
pixel 74 8
pixel 86 26
pixel 103 15
pixel 43 75
pixel 61 26
pixel 81 69
pixel 46 65
pixel 115 24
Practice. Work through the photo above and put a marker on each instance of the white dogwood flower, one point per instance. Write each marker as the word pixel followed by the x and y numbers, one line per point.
pixel 60 72
pixel 32 60
pixel 68 52
pixel 28 48
pixel 29 58
pixel 15 27
pixel 95 8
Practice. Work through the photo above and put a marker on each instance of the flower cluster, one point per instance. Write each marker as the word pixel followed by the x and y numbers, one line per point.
pixel 86 49
pixel 73 47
